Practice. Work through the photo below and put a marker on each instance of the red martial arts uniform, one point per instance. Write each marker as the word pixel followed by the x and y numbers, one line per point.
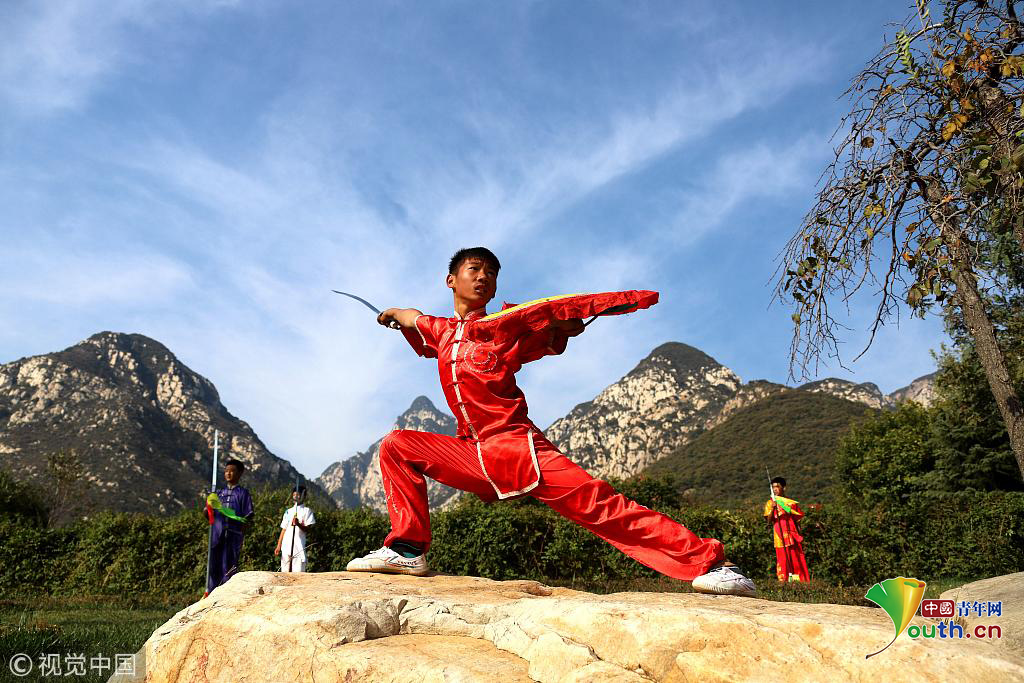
pixel 790 563
pixel 499 453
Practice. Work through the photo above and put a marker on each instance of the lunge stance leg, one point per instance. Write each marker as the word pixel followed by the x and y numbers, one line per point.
pixel 649 537
pixel 406 457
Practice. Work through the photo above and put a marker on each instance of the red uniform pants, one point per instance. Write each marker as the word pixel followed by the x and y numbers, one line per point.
pixel 790 561
pixel 647 536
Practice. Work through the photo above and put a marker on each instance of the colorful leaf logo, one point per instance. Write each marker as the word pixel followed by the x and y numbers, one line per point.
pixel 900 598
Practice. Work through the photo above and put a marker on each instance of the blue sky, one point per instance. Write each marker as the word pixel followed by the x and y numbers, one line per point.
pixel 204 174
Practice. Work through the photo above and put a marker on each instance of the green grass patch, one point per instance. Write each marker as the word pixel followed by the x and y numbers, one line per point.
pixel 81 625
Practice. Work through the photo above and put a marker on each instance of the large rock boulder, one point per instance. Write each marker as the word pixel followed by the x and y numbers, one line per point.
pixel 374 627
pixel 1009 590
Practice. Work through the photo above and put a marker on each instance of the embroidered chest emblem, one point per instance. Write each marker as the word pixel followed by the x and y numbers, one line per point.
pixel 480 357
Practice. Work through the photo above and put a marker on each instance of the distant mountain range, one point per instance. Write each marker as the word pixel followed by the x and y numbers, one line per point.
pixel 138 425
pixel 137 422
pixel 676 395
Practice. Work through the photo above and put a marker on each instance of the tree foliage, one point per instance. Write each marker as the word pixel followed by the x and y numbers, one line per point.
pixel 922 204
pixel 972 447
pixel 888 456
pixel 917 453
pixel 22 501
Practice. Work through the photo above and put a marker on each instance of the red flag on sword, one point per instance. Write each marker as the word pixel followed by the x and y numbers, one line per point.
pixel 539 313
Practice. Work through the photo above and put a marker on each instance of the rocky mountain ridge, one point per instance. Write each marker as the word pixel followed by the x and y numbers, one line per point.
pixel 140 424
pixel 137 422
pixel 672 393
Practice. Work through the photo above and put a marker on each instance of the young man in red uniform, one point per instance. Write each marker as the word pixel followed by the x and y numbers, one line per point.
pixel 790 563
pixel 499 453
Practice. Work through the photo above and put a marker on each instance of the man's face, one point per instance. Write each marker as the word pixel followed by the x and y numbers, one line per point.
pixel 475 282
pixel 232 474
pixel 778 489
pixel 296 496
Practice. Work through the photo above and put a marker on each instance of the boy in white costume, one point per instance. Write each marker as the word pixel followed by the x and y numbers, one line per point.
pixel 297 520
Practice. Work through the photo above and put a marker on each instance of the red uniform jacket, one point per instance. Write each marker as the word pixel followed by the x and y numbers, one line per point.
pixel 477 361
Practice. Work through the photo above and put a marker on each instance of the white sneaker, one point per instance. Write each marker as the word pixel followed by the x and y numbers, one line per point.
pixel 725 581
pixel 388 561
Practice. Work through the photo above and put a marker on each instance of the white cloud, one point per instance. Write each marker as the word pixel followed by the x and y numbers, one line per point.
pixel 507 191
pixel 87 278
pixel 764 171
pixel 54 54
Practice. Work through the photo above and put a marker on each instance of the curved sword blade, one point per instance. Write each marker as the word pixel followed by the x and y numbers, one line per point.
pixel 360 300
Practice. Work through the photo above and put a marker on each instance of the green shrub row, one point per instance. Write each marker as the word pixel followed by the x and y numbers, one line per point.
pixel 971 536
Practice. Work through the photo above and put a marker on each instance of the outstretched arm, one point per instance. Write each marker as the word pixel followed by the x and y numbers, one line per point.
pixel 405 317
pixel 570 328
pixel 549 341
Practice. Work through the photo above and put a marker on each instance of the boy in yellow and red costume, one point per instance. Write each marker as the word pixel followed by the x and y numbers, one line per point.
pixel 498 453
pixel 782 514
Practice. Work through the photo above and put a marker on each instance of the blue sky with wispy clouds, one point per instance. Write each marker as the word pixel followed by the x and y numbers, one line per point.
pixel 204 174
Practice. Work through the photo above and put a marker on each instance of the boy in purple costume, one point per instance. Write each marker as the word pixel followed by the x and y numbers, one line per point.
pixel 227 536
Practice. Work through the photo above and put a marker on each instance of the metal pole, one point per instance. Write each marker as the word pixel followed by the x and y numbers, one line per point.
pixel 295 512
pixel 213 489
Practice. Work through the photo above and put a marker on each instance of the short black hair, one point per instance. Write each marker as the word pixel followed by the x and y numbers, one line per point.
pixel 237 463
pixel 780 480
pixel 301 490
pixel 482 253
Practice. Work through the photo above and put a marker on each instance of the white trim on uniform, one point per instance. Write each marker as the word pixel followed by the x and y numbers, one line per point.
pixel 416 324
pixel 536 469
pixel 472 430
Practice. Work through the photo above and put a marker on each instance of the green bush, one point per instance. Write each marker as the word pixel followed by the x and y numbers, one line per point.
pixel 963 535
pixel 18 499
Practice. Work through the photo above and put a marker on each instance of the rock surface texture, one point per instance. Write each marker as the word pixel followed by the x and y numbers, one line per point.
pixel 921 390
pixel 664 401
pixel 374 627
pixel 1009 590
pixel 867 393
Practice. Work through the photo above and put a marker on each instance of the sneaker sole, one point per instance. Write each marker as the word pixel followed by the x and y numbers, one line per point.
pixel 390 570
pixel 721 590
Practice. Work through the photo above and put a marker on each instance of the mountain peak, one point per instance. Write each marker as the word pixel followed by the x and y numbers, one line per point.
pixel 867 393
pixel 139 420
pixel 125 341
pixel 659 404
pixel 421 403
pixel 682 355
pixel 355 481
pixel 423 416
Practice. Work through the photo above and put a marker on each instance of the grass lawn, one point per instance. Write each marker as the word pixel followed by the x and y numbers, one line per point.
pixel 96 626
